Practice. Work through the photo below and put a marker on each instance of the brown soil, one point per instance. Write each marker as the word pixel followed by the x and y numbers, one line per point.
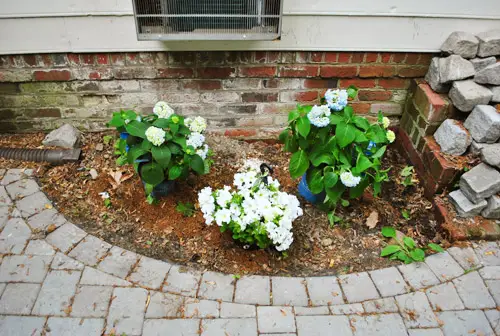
pixel 159 231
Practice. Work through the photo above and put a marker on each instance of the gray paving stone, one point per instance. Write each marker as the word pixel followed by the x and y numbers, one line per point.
pixel 386 305
pixel 232 310
pixel 389 281
pixel 4 198
pixel 236 327
pixel 323 326
pixel 378 325
pixel 488 254
pixel 14 236
pixel 463 322
pixel 425 332
pixel 74 326
pixel 465 257
pixel 490 272
pixel 39 247
pixel 444 266
pixel 21 268
pixel 22 188
pixel 216 286
pixel 416 311
pixel 118 262
pixel 19 298
pixel 171 327
pixel 444 297
pixel 494 317
pixel 418 275
pixel 2 288
pixel 182 280
pixel 253 289
pixel 33 204
pixel 126 312
pixel 201 308
pixel 62 261
pixel 163 305
pixel 358 287
pixel 65 237
pixel 5 215
pixel 494 288
pixel 473 292
pixel 46 218
pixel 311 311
pixel 91 276
pixel 56 293
pixel 324 291
pixel 347 309
pixel 21 325
pixel 90 250
pixel 150 273
pixel 275 319
pixel 14 175
pixel 289 291
pixel 91 301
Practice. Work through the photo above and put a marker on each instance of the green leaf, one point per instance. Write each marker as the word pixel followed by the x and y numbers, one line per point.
pixel 137 128
pixel 161 123
pixel 294 114
pixel 352 92
pixel 335 119
pixel 348 112
pixel 405 214
pixel 299 162
pixel 152 173
pixel 134 153
pixel 174 172
pixel 345 134
pixel 129 114
pixel 362 123
pixel 146 145
pixel 345 203
pixel 360 136
pixel 389 232
pixel 409 242
pixel 317 159
pixel 417 254
pixel 390 249
pixel 291 144
pixel 116 121
pixel 174 148
pixel 362 164
pixel 184 130
pixel 358 190
pixel 180 140
pixel 174 128
pixel 435 247
pixel 330 179
pixel 379 152
pixel 197 164
pixel 162 155
pixel 283 137
pixel 315 180
pixel 303 126
pixel 335 193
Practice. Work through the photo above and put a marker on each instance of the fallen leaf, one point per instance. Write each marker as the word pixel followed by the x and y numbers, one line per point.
pixel 283 312
pixel 51 228
pixel 48 206
pixel 372 220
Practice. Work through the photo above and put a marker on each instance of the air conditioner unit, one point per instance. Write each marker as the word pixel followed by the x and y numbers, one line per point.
pixel 208 19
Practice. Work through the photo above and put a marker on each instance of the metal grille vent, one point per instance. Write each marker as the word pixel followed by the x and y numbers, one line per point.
pixel 208 19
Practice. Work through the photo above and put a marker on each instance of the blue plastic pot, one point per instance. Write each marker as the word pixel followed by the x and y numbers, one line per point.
pixel 305 192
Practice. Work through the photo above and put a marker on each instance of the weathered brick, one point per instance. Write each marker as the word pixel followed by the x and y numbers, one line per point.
pixel 338 71
pixel 261 71
pixel 320 83
pixel 358 83
pixel 376 71
pixel 52 75
pixel 412 71
pixel 394 83
pixel 368 95
pixel 298 71
pixel 299 96
pixel 254 97
pixel 216 72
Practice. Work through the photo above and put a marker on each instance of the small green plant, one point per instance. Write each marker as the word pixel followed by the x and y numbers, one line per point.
pixel 236 276
pixel 406 249
pixel 186 209
pixel 107 139
pixel 408 176
pixel 405 213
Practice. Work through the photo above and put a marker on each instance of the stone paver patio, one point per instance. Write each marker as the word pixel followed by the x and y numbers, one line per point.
pixel 71 283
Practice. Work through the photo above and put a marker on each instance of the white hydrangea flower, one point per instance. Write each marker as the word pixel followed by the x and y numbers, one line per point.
pixel 349 180
pixel 319 116
pixel 386 122
pixel 390 136
pixel 198 124
pixel 336 99
pixel 196 140
pixel 162 110
pixel 155 135
pixel 203 152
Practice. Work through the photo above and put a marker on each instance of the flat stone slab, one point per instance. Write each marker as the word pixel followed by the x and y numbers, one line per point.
pixel 216 286
pixel 484 124
pixel 65 237
pixel 416 311
pixel 418 275
pixel 253 290
pixel 323 325
pixel 14 236
pixel 150 273
pixel 466 94
pixel 46 218
pixel 91 301
pixel 473 292
pixel 386 305
pixel 75 326
pixel 21 325
pixel 389 281
pixel 10 303
pixel 289 291
pixel 33 204
pixel 195 308
pixel 379 325
pixel 235 310
pixel 90 250
pixel 466 257
pixel 16 174
pixel 56 293
pixel 463 206
pixel 118 262
pixel 182 280
pixel 453 137
pixel 444 297
pixel 275 319
pixel 21 268
pixel 22 188
pixel 488 253
pixel 462 322
pixel 158 327
pixel 126 312
pixel 480 182
pixel 165 305
pixel 358 287
pixel 347 309
pixel 489 43
pixel 91 276
pixel 324 291
pixel 241 327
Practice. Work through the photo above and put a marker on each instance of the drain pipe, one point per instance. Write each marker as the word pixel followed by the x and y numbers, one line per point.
pixel 53 156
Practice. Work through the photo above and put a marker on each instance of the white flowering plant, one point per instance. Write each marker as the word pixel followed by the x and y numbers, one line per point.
pixel 339 152
pixel 255 211
pixel 163 145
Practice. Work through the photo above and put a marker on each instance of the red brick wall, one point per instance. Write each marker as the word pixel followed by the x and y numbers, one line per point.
pixel 240 93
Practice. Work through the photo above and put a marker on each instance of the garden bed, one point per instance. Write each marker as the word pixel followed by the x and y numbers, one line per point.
pixel 161 232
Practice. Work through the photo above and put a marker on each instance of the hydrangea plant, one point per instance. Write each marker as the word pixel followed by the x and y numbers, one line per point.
pixel 255 211
pixel 339 152
pixel 164 145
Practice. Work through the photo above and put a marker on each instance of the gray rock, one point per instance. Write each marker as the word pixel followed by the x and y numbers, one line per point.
pixel 491 155
pixel 484 124
pixel 480 182
pixel 481 63
pixel 453 138
pixel 461 43
pixel 475 147
pixel 453 68
pixel 65 136
pixel 489 43
pixel 489 75
pixel 492 210
pixel 466 94
pixel 496 94
pixel 432 77
pixel 464 207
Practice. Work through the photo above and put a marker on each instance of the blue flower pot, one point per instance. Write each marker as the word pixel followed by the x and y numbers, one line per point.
pixel 305 192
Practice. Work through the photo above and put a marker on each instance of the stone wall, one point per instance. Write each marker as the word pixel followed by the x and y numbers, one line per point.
pixel 240 93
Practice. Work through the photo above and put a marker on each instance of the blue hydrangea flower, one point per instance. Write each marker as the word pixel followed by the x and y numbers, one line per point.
pixel 336 99
pixel 319 116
